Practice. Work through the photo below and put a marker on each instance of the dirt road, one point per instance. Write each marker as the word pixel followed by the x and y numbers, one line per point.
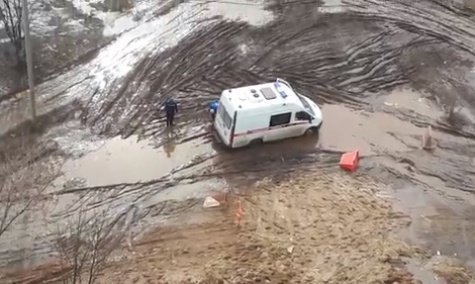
pixel 304 230
pixel 382 72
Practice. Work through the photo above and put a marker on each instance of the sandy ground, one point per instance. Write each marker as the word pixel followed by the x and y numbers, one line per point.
pixel 325 228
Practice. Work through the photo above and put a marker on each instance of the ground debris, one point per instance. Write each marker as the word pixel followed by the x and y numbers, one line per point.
pixel 453 271
pixel 329 229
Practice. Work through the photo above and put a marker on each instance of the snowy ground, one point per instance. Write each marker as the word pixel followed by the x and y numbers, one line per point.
pixel 65 32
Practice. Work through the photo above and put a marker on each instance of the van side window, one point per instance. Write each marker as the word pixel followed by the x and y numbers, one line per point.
pixel 280 119
pixel 302 115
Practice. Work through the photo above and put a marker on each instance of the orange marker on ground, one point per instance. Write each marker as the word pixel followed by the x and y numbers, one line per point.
pixel 349 160
pixel 238 214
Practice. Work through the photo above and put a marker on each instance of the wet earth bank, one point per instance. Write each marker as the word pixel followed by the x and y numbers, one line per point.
pixel 382 71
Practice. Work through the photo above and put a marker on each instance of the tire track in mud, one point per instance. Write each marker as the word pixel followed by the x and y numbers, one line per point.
pixel 204 64
pixel 434 18
pixel 451 163
pixel 130 206
pixel 212 59
pixel 267 164
pixel 449 24
pixel 256 163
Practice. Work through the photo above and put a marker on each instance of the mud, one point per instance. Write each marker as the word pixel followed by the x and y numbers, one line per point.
pixel 284 235
pixel 126 161
pixel 382 72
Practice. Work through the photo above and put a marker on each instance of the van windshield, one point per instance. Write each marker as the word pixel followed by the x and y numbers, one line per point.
pixel 306 105
pixel 223 113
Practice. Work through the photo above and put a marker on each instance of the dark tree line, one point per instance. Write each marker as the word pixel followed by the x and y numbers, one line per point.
pixel 11 16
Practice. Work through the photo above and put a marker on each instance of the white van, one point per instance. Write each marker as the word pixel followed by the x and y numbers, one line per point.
pixel 263 113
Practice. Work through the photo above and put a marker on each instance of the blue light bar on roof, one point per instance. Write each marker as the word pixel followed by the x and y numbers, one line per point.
pixel 281 92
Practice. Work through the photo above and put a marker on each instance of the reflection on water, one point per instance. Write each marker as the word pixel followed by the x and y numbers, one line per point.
pixel 169 146
pixel 129 161
pixel 344 129
pixel 407 99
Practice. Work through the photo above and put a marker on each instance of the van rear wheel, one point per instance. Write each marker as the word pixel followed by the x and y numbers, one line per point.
pixel 256 142
pixel 311 131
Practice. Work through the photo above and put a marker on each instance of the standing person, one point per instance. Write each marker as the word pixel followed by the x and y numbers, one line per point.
pixel 213 108
pixel 171 107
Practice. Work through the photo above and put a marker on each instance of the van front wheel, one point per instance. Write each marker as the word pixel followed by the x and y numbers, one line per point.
pixel 311 131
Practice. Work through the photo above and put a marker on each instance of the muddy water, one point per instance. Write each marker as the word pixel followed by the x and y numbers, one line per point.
pixel 441 218
pixel 120 177
pixel 417 102
pixel 423 273
pixel 441 213
pixel 128 161
pixel 370 133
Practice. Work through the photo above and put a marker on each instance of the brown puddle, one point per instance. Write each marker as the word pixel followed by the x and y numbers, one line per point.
pixel 404 98
pixel 129 161
pixel 344 129
pixel 441 216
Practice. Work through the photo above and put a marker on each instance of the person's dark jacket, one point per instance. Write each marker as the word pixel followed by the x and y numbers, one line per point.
pixel 171 107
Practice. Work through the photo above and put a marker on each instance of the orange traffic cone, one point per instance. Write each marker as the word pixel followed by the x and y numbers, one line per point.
pixel 427 140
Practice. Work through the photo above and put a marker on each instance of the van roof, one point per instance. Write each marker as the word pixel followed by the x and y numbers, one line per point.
pixel 263 95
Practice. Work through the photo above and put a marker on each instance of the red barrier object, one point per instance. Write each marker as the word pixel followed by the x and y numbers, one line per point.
pixel 349 160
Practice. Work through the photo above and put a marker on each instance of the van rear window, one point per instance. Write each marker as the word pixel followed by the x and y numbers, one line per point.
pixel 223 113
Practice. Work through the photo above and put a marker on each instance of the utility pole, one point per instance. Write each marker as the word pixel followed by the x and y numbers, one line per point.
pixel 115 5
pixel 29 58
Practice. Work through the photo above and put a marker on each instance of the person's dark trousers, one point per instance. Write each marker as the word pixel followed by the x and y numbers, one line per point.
pixel 170 118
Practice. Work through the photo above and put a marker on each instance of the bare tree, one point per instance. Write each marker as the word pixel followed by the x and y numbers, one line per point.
pixel 23 179
pixel 118 5
pixel 451 93
pixel 86 245
pixel 11 16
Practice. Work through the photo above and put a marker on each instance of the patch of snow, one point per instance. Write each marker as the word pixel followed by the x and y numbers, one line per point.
pixel 117 23
pixel 332 7
pixel 73 140
pixel 119 58
pixel 85 6
pixel 40 23
pixel 249 11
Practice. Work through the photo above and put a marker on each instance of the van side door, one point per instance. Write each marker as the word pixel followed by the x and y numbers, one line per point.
pixel 279 127
pixel 302 121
